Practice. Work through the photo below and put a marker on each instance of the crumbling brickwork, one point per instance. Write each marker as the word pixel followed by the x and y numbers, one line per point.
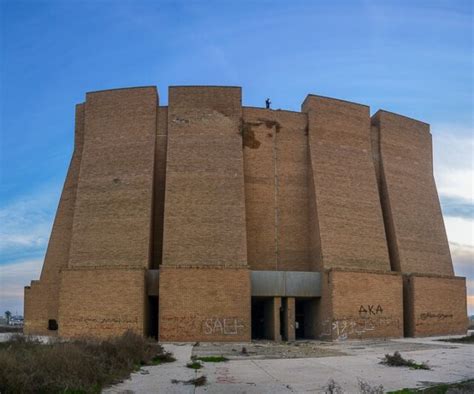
pixel 167 211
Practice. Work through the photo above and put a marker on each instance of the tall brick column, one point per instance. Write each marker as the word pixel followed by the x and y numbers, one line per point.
pixel 351 227
pixel 204 278
pixel 102 288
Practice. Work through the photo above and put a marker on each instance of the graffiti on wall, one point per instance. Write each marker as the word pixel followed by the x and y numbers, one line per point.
pixel 370 310
pixel 222 326
pixel 370 318
pixel 194 324
pixel 436 316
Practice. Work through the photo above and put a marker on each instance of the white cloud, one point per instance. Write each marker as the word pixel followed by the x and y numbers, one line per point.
pixel 13 278
pixel 453 156
pixel 26 224
pixel 460 230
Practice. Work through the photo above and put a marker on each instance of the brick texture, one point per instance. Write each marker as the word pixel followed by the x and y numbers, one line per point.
pixel 351 228
pixel 204 220
pixel 159 186
pixel 204 304
pixel 435 305
pixel 42 297
pixel 413 217
pixel 101 302
pixel 112 215
pixel 276 190
pixel 362 304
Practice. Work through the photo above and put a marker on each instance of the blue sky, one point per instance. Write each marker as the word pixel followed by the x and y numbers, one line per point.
pixel 409 57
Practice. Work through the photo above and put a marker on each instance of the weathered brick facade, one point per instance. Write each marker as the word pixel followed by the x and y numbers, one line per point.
pixel 167 213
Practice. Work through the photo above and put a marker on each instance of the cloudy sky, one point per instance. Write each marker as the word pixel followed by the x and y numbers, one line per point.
pixel 410 57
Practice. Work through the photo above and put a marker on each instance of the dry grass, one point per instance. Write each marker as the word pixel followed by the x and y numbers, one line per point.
pixel 79 366
pixel 199 381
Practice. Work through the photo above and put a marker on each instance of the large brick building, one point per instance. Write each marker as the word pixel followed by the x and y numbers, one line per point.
pixel 205 220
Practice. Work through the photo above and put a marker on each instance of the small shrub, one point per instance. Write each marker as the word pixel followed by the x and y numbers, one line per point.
pixel 366 388
pixel 200 381
pixel 194 365
pixel 212 359
pixel 396 360
pixel 163 357
pixel 333 388
pixel 464 387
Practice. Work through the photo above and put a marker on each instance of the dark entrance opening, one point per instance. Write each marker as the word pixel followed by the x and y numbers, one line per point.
pixel 258 318
pixel 262 318
pixel 153 317
pixel 305 310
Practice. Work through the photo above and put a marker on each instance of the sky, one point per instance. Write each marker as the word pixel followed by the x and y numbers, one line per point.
pixel 410 57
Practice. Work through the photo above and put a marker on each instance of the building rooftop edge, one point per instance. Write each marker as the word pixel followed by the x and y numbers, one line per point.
pixel 205 86
pixel 254 107
pixel 333 98
pixel 397 114
pixel 125 88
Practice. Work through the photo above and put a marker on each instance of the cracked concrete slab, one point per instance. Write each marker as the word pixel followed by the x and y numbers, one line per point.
pixel 305 367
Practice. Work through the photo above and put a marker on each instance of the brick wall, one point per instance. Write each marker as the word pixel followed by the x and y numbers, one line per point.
pixel 42 298
pixel 39 297
pixel 159 186
pixel 362 304
pixel 413 217
pixel 435 305
pixel 276 190
pixel 102 302
pixel 112 215
pixel 204 220
pixel 204 304
pixel 351 228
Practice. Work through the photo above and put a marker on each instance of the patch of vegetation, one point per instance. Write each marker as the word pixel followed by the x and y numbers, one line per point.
pixel 162 357
pixel 396 360
pixel 333 388
pixel 366 388
pixel 460 387
pixel 200 381
pixel 467 339
pixel 194 365
pixel 212 359
pixel 83 365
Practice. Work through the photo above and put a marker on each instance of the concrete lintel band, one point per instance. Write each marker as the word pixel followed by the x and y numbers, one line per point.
pixel 285 284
